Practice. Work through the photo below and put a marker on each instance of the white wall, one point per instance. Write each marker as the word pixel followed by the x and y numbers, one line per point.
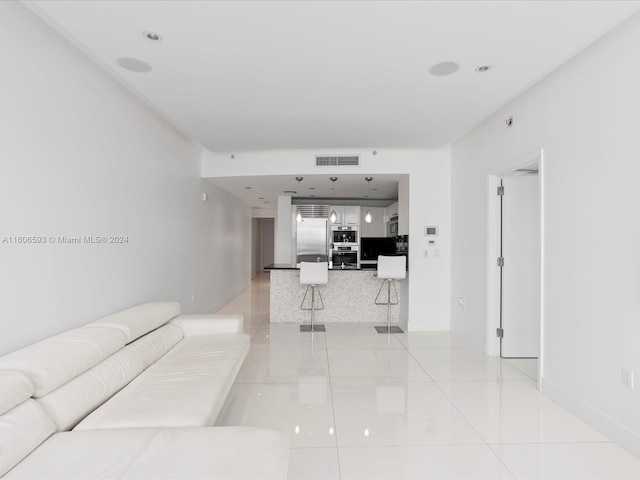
pixel 586 116
pixel 428 187
pixel 80 155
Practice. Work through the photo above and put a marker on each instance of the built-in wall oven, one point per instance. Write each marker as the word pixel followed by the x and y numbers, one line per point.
pixel 344 256
pixel 344 247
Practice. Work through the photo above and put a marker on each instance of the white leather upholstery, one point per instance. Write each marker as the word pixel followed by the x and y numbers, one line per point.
pixel 74 400
pixel 392 267
pixel 22 429
pixel 149 454
pixel 154 345
pixel 208 324
pixel 56 360
pixel 161 378
pixel 136 321
pixel 15 387
pixel 187 387
pixel 314 273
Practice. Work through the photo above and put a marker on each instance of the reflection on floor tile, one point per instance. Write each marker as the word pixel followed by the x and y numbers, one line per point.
pixel 287 336
pixel 303 410
pixel 415 413
pixel 454 462
pixel 347 336
pixel 266 364
pixel 357 404
pixel 528 366
pixel 313 463
pixel 382 365
pixel 569 460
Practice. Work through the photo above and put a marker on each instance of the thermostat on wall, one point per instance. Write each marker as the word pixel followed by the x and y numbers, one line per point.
pixel 430 231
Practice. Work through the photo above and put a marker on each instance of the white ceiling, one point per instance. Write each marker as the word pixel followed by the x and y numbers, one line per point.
pixel 262 192
pixel 258 75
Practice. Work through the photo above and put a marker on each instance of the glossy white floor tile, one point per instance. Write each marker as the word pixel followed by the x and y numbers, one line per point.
pixel 357 404
pixel 515 412
pixel 413 413
pixel 382 365
pixel 450 462
pixel 303 410
pixel 268 364
pixel 528 366
pixel 313 463
pixel 347 336
pixel 421 340
pixel 464 364
pixel 569 460
pixel 287 336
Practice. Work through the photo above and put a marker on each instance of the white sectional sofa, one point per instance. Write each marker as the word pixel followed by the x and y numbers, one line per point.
pixel 134 395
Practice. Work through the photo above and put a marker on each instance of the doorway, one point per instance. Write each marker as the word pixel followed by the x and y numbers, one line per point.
pixel 514 260
pixel 519 264
pixel 262 244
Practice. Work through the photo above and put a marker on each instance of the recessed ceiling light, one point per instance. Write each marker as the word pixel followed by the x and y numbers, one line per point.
pixel 133 65
pixel 153 36
pixel 312 188
pixel 443 69
pixel 483 68
pixel 247 188
pixel 260 198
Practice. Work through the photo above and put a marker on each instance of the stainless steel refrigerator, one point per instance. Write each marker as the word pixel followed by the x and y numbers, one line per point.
pixel 311 240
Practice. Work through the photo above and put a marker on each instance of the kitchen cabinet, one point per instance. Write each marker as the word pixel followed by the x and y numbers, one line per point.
pixel 346 215
pixel 391 211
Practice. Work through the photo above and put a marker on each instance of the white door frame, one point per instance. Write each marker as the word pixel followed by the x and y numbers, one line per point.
pixel 492 314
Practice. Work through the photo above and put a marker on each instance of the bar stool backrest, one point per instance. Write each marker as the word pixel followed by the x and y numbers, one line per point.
pixel 314 273
pixel 392 267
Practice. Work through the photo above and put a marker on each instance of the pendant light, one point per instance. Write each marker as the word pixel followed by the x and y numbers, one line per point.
pixel 299 214
pixel 333 216
pixel 369 216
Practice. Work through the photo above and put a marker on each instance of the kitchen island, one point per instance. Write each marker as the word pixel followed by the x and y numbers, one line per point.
pixel 348 297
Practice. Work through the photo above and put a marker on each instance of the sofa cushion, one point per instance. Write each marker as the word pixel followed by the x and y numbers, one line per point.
pixel 185 388
pixel 136 321
pixel 209 324
pixel 74 400
pixel 56 360
pixel 181 453
pixel 15 388
pixel 22 429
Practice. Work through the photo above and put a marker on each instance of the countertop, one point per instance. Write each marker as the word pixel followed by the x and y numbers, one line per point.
pixel 293 266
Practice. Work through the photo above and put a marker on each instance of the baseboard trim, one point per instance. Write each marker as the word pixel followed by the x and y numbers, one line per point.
pixel 221 303
pixel 606 425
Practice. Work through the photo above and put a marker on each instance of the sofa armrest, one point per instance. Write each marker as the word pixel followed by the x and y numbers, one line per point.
pixel 209 324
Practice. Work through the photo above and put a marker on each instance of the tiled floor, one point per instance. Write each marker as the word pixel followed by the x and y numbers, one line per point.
pixel 358 404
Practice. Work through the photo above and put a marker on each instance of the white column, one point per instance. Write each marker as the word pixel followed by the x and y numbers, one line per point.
pixel 284 232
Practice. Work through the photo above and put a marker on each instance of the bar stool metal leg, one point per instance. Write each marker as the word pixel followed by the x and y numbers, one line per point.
pixel 388 328
pixel 312 327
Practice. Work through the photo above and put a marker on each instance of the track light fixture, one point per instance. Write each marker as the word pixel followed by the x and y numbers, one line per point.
pixel 369 216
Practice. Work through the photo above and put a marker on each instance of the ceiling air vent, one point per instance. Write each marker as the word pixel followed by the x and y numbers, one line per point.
pixel 313 211
pixel 340 161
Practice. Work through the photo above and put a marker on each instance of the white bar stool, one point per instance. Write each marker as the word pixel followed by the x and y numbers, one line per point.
pixel 313 274
pixel 390 269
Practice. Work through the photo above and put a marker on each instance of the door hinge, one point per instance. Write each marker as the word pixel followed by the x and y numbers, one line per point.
pixel 501 261
pixel 499 332
pixel 501 190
